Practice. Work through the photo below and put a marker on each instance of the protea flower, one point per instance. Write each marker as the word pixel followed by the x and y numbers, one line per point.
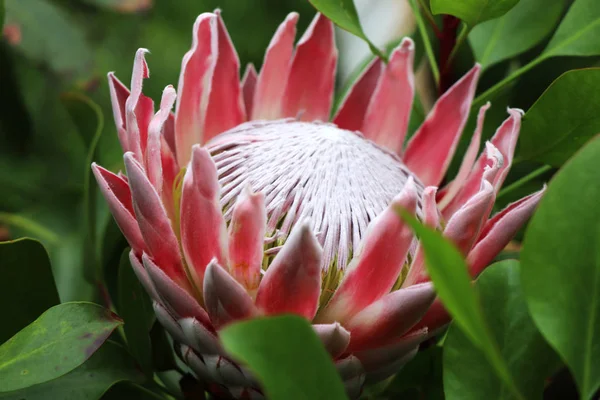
pixel 245 202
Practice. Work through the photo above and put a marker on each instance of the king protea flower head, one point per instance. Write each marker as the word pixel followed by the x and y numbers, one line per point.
pixel 245 202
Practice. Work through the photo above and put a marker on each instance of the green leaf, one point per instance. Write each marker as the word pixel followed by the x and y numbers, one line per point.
pixel 448 272
pixel 27 287
pixel 579 32
pixel 473 12
pixel 343 14
pixel 287 357
pixel 563 119
pixel 49 36
pixel 517 31
pixel 60 340
pixel 89 120
pixel 107 366
pixel 529 358
pixel 136 310
pixel 561 266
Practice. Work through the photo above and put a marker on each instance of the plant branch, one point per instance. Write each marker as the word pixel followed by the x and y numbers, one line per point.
pixel 524 180
pixel 428 48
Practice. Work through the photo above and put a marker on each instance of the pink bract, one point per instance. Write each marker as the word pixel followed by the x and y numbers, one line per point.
pixel 247 202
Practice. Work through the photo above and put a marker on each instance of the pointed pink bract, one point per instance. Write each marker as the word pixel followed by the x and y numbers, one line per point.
pixel 309 91
pixel 292 283
pixel 194 86
pixel 249 88
pixel 376 267
pixel 430 150
pixel 386 121
pixel 274 73
pixel 203 232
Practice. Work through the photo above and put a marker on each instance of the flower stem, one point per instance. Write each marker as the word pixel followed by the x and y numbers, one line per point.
pixel 428 48
pixel 492 92
pixel 524 180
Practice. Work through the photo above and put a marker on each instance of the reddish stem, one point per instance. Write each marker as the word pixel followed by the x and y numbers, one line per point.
pixel 447 43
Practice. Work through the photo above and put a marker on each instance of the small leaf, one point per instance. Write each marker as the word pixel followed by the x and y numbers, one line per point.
pixel 579 32
pixel 60 340
pixel 473 12
pixel 50 37
pixel 517 31
pixel 563 119
pixel 343 14
pixel 136 310
pixel 561 267
pixel 89 120
pixel 107 366
pixel 448 272
pixel 529 358
pixel 27 287
pixel 287 357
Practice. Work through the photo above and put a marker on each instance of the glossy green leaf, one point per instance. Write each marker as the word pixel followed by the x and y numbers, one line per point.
pixel 107 366
pixel 138 315
pixel 124 6
pixel 89 120
pixel 563 119
pixel 49 36
pixel 560 269
pixel 287 357
pixel 448 272
pixel 343 14
pixel 579 32
pixel 60 340
pixel 27 287
pixel 517 31
pixel 473 12
pixel 529 358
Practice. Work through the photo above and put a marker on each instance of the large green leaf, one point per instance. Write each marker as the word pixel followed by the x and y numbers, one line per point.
pixel 529 358
pixel 60 340
pixel 448 272
pixel 107 366
pixel 579 32
pixel 517 31
pixel 287 357
pixel 563 119
pixel 49 36
pixel 343 13
pixel 473 12
pixel 561 266
pixel 27 287
pixel 136 310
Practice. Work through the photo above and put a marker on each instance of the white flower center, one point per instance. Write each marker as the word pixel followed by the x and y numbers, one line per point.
pixel 335 178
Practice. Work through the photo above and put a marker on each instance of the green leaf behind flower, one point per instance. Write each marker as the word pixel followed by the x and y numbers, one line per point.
pixel 473 12
pixel 517 31
pixel 449 274
pixel 27 286
pixel 343 14
pixel 109 365
pixel 60 340
pixel 563 119
pixel 561 267
pixel 529 358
